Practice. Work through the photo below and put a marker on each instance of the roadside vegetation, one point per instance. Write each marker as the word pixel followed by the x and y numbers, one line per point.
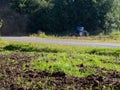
pixel 36 66
pixel 113 37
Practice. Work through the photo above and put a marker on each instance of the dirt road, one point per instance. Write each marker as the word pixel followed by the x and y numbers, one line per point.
pixel 64 42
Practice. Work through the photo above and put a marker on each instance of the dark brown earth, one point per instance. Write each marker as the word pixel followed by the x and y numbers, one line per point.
pixel 18 75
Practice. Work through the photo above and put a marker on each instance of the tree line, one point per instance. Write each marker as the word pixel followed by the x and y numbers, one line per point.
pixel 62 16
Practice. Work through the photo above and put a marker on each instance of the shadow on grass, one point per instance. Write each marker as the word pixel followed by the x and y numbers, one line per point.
pixel 28 48
pixel 48 49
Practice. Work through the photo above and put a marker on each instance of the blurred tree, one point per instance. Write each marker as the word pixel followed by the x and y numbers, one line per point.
pixel 92 14
pixel 1 23
pixel 113 17
pixel 57 16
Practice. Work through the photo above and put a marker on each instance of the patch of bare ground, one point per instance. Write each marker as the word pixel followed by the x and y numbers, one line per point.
pixel 16 74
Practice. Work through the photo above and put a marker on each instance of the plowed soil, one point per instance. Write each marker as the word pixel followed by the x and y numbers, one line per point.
pixel 17 74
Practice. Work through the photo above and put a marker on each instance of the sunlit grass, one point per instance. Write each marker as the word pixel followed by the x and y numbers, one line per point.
pixel 69 63
pixel 67 58
pixel 74 61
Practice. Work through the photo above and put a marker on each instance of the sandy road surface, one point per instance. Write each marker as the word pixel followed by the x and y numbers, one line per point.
pixel 64 42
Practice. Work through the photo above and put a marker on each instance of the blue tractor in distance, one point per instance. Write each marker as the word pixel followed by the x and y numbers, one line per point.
pixel 80 31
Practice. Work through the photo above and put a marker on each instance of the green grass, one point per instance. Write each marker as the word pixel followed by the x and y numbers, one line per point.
pixel 35 47
pixel 74 61
pixel 67 58
pixel 69 63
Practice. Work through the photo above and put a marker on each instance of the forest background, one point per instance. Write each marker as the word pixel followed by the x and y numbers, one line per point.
pixel 59 17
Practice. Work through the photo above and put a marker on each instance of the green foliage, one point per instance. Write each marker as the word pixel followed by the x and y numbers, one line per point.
pixel 54 62
pixel 1 75
pixel 1 23
pixel 115 33
pixel 25 6
pixel 113 17
pixel 58 16
pixel 60 64
pixel 39 34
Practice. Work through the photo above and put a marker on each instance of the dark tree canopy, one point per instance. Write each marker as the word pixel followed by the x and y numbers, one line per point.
pixel 59 16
